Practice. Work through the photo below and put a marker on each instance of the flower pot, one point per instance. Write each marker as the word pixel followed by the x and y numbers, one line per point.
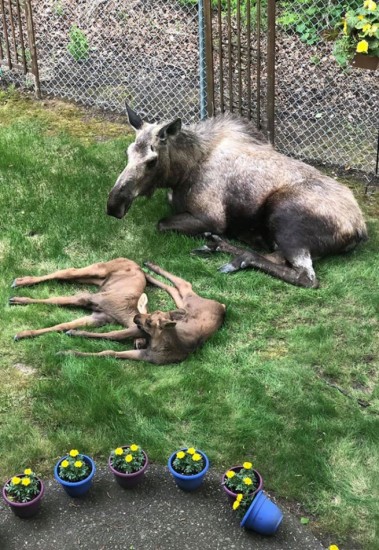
pixel 125 480
pixel 76 488
pixel 188 482
pixel 232 495
pixel 262 516
pixel 25 509
pixel 364 61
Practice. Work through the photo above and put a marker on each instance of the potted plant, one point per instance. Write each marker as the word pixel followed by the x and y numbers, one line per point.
pixel 188 467
pixel 128 464
pixel 258 512
pixel 241 479
pixel 75 473
pixel 358 39
pixel 23 493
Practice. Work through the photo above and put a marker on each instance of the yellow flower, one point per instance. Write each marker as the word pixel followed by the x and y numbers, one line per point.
pixel 180 454
pixel 230 474
pixel 370 5
pixel 360 17
pixel 26 481
pixel 236 504
pixel 191 451
pixel 247 465
pixel 366 28
pixel 16 480
pixel 247 481
pixel 64 463
pixel 128 458
pixel 78 464
pixel 28 472
pixel 362 46
pixel 119 451
pixel 344 25
pixel 239 497
pixel 74 453
pixel 333 547
pixel 134 447
pixel 196 457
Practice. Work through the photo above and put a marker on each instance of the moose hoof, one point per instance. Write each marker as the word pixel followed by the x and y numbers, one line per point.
pixel 228 268
pixel 14 284
pixel 69 332
pixel 202 250
pixel 16 338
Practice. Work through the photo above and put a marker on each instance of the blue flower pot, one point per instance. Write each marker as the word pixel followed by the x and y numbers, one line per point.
pixel 263 516
pixel 192 482
pixel 76 488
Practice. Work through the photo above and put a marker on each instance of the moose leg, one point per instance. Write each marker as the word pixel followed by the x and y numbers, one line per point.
pixel 295 276
pixel 89 321
pixel 92 274
pixel 184 223
pixel 134 354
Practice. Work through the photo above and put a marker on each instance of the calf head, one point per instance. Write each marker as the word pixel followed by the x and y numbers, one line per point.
pixel 148 163
pixel 159 321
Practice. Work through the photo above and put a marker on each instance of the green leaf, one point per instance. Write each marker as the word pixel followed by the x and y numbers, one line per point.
pixel 304 521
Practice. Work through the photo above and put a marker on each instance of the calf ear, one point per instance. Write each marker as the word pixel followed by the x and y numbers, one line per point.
pixel 142 303
pixel 134 120
pixel 165 323
pixel 178 314
pixel 170 129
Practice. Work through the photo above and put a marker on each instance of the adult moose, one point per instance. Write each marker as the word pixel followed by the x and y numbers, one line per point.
pixel 227 179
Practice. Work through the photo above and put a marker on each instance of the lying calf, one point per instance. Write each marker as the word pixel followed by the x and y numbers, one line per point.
pixel 171 336
pixel 120 297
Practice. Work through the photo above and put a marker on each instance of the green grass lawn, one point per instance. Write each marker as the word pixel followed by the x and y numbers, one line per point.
pixel 290 382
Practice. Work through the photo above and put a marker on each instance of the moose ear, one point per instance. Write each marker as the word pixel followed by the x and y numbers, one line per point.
pixel 178 314
pixel 134 120
pixel 170 129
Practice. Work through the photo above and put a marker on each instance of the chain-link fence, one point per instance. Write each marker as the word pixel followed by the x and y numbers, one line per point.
pixel 324 113
pixel 101 52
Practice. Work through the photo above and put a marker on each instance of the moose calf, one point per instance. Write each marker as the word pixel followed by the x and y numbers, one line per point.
pixel 171 336
pixel 227 179
pixel 120 297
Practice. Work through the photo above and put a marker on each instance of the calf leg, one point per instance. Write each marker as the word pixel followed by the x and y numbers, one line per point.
pixel 89 321
pixel 184 223
pixel 183 286
pixel 117 335
pixel 93 274
pixel 134 354
pixel 78 300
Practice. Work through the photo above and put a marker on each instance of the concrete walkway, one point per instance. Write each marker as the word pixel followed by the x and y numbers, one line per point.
pixel 156 515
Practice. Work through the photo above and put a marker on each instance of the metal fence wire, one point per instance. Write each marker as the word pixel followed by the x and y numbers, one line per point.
pixel 101 52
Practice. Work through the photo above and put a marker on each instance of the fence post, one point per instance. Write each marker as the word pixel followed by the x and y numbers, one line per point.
pixel 32 46
pixel 202 62
pixel 271 71
pixel 209 57
pixel 6 45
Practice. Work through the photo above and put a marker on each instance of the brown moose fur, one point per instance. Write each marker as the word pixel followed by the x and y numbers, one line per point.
pixel 171 336
pixel 226 179
pixel 120 297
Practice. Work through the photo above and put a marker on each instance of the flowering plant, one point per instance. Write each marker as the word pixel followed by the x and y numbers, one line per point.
pixel 73 467
pixel 128 459
pixel 244 483
pixel 359 33
pixel 23 488
pixel 188 462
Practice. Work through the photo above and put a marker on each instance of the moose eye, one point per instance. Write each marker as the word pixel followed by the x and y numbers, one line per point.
pixel 151 163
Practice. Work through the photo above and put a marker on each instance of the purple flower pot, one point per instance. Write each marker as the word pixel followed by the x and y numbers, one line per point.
pixel 125 480
pixel 25 509
pixel 191 482
pixel 231 494
pixel 262 516
pixel 76 488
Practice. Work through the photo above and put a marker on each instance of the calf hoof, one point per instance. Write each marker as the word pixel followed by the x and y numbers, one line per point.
pixel 14 284
pixel 16 338
pixel 70 332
